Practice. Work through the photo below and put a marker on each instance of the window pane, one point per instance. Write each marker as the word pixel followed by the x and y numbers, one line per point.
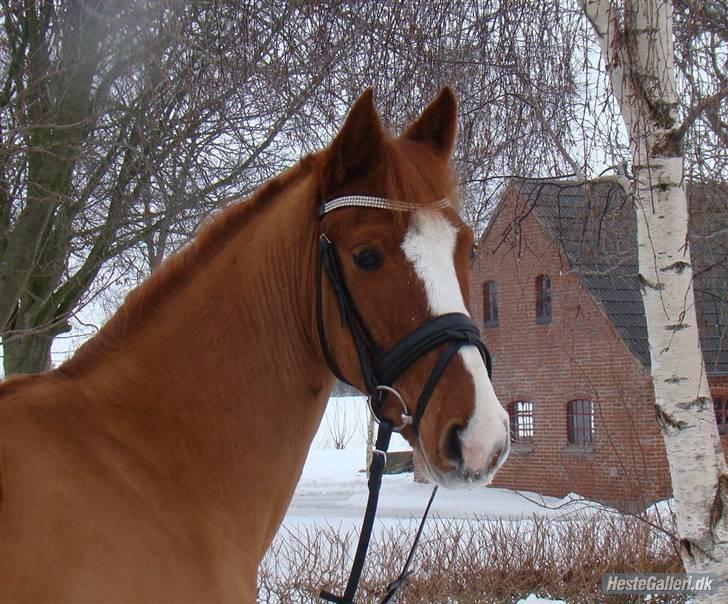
pixel 580 421
pixel 490 303
pixel 521 420
pixel 543 298
pixel 720 405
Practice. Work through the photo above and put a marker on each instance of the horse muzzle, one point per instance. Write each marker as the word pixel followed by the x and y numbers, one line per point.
pixel 470 455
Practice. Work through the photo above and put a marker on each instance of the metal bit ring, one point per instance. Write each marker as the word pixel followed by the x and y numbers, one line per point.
pixel 405 416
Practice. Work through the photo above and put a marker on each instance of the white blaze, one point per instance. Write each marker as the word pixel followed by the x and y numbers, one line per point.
pixel 429 245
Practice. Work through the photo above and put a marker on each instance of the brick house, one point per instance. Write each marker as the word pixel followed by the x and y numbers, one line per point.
pixel 555 292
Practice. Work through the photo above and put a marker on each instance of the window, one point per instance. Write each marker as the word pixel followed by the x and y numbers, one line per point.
pixel 580 422
pixel 521 420
pixel 543 299
pixel 720 405
pixel 490 303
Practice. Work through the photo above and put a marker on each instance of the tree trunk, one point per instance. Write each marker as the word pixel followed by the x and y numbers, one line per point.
pixel 27 347
pixel 28 354
pixel 637 47
pixel 59 110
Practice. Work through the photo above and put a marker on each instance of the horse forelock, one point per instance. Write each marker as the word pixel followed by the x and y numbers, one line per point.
pixel 413 173
pixel 402 170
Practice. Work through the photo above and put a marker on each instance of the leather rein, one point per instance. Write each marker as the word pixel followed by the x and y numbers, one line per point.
pixel 380 369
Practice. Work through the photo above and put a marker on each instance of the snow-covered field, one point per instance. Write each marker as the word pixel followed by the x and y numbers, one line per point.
pixel 333 486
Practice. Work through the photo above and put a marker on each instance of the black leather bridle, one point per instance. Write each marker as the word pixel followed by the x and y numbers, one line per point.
pixel 380 370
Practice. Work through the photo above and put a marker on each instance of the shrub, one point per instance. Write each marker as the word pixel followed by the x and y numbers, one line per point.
pixel 477 560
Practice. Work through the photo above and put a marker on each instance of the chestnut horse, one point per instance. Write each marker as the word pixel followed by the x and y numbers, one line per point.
pixel 157 463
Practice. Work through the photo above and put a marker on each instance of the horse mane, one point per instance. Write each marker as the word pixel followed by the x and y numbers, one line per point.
pixel 409 171
pixel 146 299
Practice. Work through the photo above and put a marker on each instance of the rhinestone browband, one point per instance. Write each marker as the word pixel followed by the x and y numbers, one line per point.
pixel 363 201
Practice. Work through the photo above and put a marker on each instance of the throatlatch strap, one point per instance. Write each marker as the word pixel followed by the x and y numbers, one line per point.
pixel 366 347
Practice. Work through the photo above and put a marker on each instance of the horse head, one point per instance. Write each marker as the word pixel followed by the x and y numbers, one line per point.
pixel 402 257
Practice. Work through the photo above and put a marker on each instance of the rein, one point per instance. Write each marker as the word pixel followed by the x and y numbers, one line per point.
pixel 380 369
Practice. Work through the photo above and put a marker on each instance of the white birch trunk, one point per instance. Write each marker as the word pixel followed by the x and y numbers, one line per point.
pixel 637 46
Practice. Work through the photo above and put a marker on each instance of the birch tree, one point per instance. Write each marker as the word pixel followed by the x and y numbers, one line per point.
pixel 121 124
pixel 636 42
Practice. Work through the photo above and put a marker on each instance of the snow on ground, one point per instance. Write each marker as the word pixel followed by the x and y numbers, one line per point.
pixel 532 599
pixel 345 420
pixel 333 486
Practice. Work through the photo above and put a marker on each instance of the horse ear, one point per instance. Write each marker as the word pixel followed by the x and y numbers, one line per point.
pixel 437 125
pixel 358 141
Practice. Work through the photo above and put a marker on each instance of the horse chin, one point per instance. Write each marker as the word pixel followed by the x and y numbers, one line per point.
pixel 453 477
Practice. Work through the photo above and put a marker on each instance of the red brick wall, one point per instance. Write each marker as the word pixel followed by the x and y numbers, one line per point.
pixel 719 387
pixel 577 356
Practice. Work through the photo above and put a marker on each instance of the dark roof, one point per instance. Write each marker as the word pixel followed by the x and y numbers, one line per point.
pixel 595 224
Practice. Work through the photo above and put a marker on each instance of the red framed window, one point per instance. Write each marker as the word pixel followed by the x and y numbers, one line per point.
pixel 580 421
pixel 521 420
pixel 490 303
pixel 720 406
pixel 543 299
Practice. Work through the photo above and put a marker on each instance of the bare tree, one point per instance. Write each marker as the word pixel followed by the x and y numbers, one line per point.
pixel 123 123
pixel 636 41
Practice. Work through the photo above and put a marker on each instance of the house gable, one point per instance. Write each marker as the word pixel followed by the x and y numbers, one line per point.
pixel 515 249
pixel 594 226
pixel 578 355
pixel 595 345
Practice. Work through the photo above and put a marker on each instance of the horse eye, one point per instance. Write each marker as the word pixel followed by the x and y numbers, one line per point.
pixel 368 260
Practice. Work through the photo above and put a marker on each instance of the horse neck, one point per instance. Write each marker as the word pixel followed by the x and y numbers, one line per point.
pixel 230 366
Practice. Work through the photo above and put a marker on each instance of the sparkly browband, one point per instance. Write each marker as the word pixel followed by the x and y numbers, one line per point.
pixel 363 201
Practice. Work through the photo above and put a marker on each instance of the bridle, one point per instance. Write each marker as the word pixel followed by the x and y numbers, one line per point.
pixel 380 369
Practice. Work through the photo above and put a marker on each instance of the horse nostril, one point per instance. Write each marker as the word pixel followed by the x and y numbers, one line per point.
pixel 453 448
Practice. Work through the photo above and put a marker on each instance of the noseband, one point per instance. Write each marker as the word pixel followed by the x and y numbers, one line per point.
pixel 381 369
